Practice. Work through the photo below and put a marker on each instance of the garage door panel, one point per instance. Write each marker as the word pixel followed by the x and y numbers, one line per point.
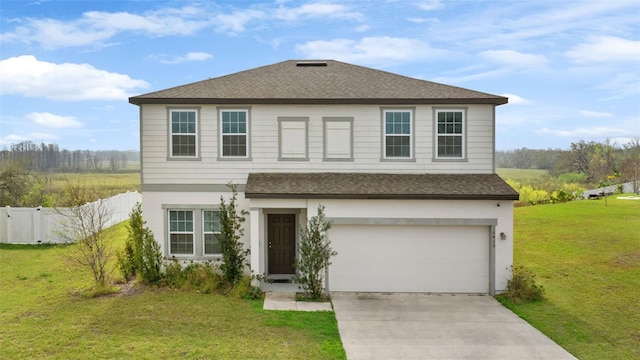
pixel 409 258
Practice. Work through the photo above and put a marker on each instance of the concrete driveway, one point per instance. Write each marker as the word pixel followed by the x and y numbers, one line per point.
pixel 419 326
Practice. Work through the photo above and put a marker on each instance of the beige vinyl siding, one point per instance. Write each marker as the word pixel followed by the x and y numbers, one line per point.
pixel 367 144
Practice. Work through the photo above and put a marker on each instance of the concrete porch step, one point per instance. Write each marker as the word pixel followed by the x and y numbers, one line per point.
pixel 286 301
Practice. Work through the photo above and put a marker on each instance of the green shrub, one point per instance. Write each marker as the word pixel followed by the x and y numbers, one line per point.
pixel 173 277
pixel 315 255
pixel 522 286
pixel 202 277
pixel 141 256
pixel 244 290
pixel 234 257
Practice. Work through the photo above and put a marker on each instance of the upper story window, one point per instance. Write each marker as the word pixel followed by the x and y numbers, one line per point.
pixel 398 134
pixel 450 126
pixel 183 139
pixel 234 133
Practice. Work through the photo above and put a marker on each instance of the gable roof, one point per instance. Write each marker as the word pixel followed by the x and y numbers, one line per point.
pixel 378 186
pixel 316 82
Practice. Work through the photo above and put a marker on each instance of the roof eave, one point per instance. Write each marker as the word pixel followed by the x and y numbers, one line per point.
pixel 504 197
pixel 342 101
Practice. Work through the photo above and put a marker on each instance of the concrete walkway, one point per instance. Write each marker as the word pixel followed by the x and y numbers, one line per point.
pixel 287 301
pixel 420 326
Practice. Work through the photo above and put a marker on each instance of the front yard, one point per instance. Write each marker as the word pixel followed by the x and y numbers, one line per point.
pixel 42 317
pixel 587 257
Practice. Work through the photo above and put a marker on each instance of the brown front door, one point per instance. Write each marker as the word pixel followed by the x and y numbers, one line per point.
pixel 281 242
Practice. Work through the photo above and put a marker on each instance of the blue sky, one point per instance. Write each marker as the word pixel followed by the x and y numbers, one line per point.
pixel 570 68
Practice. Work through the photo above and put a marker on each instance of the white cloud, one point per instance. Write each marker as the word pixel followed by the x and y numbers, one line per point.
pixel 601 49
pixel 192 56
pixel 515 59
pixel 598 131
pixel 53 121
pixel 517 100
pixel 27 76
pixel 95 27
pixel 595 114
pixel 429 5
pixel 317 10
pixel 371 50
pixel 237 21
pixel 12 139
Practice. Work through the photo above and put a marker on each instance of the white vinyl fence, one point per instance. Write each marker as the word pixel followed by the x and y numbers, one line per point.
pixel 41 225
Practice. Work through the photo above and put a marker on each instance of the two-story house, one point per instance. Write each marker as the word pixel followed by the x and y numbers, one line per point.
pixel 404 167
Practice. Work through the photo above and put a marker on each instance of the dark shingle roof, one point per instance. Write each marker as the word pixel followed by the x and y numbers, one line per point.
pixel 316 82
pixel 378 186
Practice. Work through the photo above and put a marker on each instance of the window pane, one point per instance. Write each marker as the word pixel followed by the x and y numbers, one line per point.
pixel 234 145
pixel 181 243
pixel 398 122
pixel 183 145
pixel 212 221
pixel 398 146
pixel 183 122
pixel 211 244
pixel 180 220
pixel 449 122
pixel 234 122
pixel 450 146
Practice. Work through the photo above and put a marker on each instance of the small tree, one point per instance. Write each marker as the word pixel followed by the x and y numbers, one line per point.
pixel 85 225
pixel 234 256
pixel 315 255
pixel 141 256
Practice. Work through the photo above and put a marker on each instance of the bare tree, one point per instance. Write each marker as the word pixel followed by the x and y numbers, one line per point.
pixel 85 226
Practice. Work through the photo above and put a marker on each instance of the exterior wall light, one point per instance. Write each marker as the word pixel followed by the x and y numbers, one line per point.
pixel 503 236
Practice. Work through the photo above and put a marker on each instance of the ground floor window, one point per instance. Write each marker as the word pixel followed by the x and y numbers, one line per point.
pixel 193 233
pixel 211 229
pixel 181 232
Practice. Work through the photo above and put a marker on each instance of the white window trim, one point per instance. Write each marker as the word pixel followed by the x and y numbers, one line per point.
pixel 411 136
pixel 192 232
pixel 170 154
pixel 463 156
pixel 247 134
pixel 208 232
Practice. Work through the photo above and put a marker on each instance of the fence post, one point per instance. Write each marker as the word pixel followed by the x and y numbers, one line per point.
pixel 8 224
pixel 37 225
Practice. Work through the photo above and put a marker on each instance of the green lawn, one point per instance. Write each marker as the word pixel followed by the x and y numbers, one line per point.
pixel 41 317
pixel 587 257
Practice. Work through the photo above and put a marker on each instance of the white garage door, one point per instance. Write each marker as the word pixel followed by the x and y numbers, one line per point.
pixel 383 258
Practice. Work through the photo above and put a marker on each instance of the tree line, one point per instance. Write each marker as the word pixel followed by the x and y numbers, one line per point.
pixel 50 157
pixel 585 161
